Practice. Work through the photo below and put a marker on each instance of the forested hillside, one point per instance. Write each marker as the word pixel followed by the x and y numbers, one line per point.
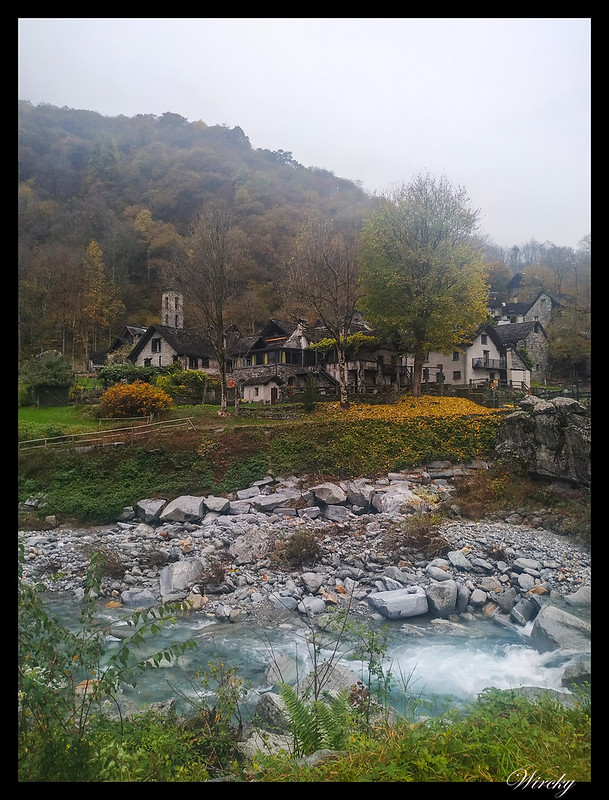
pixel 106 206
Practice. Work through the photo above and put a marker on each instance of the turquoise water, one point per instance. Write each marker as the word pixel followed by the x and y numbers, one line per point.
pixel 435 669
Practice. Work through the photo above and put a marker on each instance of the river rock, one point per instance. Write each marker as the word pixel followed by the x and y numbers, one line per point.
pixel 186 507
pixel 311 605
pixel 246 548
pixel 218 505
pixel 557 629
pixel 478 598
pixel 523 611
pixel 458 560
pixel 329 678
pixel 329 493
pixel 312 580
pixel 269 502
pixel 582 597
pixel 148 510
pixel 442 598
pixel 263 742
pixel 282 669
pixel 180 576
pixel 400 603
pixel 138 598
pixel 577 672
pixel 396 499
pixel 271 713
pixel 359 492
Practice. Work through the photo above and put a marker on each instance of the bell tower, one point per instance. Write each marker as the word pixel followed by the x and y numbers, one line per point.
pixel 172 309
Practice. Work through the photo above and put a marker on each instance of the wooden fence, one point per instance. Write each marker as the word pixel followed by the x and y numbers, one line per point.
pixel 109 437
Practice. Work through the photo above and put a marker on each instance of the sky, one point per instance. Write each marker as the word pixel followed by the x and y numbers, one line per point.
pixel 500 107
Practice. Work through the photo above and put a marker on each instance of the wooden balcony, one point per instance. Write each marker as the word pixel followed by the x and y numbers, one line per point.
pixel 489 363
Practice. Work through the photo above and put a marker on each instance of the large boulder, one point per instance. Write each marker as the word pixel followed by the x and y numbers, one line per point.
pixel 442 598
pixel 397 498
pixel 551 439
pixel 184 509
pixel 557 629
pixel 180 576
pixel 148 510
pixel 329 493
pixel 138 598
pixel 359 492
pixel 400 603
pixel 329 678
pixel 218 505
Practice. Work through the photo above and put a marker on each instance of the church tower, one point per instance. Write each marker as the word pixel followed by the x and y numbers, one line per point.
pixel 172 309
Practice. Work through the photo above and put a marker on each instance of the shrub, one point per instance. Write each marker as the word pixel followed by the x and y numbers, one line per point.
pixel 136 399
pixel 302 547
pixel 118 373
pixel 310 394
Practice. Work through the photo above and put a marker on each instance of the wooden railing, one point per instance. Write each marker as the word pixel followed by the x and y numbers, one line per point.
pixel 108 437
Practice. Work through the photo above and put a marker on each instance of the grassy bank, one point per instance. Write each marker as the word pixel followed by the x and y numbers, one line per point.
pixel 221 455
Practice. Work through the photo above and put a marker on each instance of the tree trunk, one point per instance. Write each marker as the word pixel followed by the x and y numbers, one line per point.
pixel 417 373
pixel 342 377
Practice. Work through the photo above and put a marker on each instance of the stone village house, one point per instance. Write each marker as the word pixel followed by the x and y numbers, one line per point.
pixel 510 354
pixel 274 363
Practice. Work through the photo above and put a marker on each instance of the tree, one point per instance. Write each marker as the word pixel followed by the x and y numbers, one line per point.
pixel 47 369
pixel 422 273
pixel 208 273
pixel 569 340
pixel 101 306
pixel 323 275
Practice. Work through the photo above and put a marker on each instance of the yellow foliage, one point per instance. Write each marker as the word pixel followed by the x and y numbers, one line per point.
pixel 406 409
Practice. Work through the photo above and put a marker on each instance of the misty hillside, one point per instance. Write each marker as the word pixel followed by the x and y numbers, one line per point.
pixel 133 186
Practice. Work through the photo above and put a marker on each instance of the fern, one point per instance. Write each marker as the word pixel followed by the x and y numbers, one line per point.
pixel 319 725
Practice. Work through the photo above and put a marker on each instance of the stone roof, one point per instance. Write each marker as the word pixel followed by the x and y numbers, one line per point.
pixel 186 342
pixel 511 334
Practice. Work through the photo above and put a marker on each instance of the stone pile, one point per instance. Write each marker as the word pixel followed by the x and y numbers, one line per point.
pixel 223 555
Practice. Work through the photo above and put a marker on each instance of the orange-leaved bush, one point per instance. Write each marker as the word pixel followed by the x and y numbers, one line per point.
pixel 136 399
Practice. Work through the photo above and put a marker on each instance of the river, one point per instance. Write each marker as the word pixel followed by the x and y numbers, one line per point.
pixel 434 664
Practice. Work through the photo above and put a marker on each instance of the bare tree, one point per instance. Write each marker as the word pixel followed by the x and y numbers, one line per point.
pixel 208 274
pixel 323 276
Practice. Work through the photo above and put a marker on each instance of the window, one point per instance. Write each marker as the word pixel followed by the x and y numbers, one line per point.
pixel 483 338
pixel 456 355
pixel 147 362
pixel 155 345
pixel 176 322
pixel 457 375
pixel 193 362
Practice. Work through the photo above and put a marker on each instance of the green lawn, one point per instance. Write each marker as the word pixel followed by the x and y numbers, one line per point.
pixel 68 417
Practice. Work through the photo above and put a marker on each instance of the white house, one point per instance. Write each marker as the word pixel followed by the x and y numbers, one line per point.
pixel 490 357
